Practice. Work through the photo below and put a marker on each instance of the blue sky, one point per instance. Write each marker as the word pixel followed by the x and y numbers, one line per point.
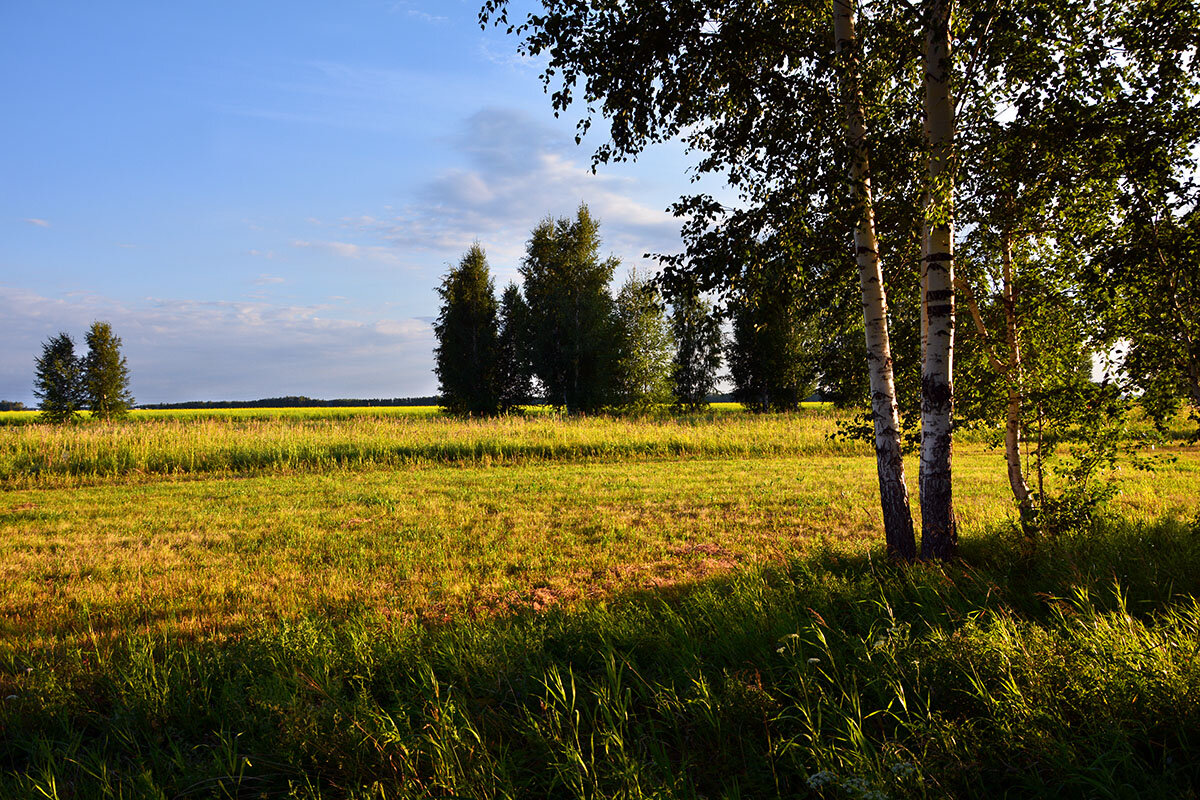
pixel 261 197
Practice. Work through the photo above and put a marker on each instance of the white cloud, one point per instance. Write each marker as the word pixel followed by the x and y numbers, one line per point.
pixel 195 350
pixel 425 16
pixel 265 279
pixel 506 56
pixel 517 172
pixel 352 251
pixel 41 223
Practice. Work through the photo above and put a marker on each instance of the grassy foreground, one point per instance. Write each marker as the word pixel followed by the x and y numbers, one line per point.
pixel 621 616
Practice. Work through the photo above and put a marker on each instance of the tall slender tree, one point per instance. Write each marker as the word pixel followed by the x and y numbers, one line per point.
pixel 58 380
pixel 939 528
pixel 750 85
pixel 885 412
pixel 466 356
pixel 105 374
pixel 575 338
pixel 773 350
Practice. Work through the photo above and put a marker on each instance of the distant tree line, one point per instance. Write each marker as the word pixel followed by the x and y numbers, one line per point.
pixel 98 381
pixel 295 402
pixel 12 405
pixel 562 338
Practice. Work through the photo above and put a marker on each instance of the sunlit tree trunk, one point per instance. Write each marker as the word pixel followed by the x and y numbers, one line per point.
pixel 1011 370
pixel 1014 379
pixel 893 491
pixel 939 531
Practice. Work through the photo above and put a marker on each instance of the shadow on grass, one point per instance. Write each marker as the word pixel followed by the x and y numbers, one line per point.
pixel 1074 672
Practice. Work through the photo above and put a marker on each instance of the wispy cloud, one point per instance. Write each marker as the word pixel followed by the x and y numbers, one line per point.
pixel 518 171
pixel 265 280
pixel 41 223
pixel 506 56
pixel 186 349
pixel 350 250
pixel 425 16
pixel 347 96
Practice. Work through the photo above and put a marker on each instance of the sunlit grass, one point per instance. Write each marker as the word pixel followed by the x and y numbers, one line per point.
pixel 376 605
pixel 170 445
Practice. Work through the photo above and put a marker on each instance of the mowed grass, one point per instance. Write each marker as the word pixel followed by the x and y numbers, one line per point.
pixel 538 606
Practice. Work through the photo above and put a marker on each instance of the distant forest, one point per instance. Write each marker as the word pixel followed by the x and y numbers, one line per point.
pixel 310 402
pixel 297 402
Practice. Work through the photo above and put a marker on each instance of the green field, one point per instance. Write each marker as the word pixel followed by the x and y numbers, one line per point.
pixel 391 603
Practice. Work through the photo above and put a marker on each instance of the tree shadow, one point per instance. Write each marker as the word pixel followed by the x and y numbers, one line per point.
pixel 1069 670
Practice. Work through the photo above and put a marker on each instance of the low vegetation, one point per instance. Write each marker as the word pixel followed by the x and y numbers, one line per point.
pixel 589 607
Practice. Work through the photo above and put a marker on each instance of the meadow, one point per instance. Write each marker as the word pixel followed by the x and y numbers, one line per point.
pixel 392 603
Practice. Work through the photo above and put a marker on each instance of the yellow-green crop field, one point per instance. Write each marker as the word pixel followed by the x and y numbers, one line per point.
pixel 379 602
pixel 208 523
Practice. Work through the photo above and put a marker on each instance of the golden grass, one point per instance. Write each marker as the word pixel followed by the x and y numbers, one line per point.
pixel 217 553
pixel 49 455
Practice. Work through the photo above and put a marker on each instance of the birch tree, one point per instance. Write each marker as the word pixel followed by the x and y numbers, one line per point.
pixel 749 86
pixel 885 412
pixel 696 329
pixel 573 331
pixel 765 99
pixel 939 529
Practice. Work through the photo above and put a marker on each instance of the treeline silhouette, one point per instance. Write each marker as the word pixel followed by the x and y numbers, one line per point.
pixel 295 402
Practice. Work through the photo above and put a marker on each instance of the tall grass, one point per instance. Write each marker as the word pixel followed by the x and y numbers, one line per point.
pixel 34 455
pixel 1071 674
pixel 702 609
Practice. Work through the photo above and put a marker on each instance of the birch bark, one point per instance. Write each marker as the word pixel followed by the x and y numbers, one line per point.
pixel 885 413
pixel 939 530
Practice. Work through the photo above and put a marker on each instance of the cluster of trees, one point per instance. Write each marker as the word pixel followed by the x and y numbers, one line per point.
pixel 1032 163
pixel 98 381
pixel 564 338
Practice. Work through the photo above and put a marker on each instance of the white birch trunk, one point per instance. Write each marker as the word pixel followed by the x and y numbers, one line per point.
pixel 893 490
pixel 939 530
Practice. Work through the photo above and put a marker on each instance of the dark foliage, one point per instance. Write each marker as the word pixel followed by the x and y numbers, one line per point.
pixel 698 345
pixel 575 338
pixel 105 374
pixel 466 356
pixel 58 380
pixel 514 369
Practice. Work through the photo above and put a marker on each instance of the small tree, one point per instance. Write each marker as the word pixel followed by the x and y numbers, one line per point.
pixel 105 374
pixel 698 341
pixel 58 378
pixel 643 377
pixel 514 368
pixel 467 334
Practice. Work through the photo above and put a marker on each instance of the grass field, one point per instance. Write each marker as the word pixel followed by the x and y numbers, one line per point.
pixel 390 603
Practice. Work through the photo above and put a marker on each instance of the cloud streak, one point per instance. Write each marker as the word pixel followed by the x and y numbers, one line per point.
pixel 194 350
